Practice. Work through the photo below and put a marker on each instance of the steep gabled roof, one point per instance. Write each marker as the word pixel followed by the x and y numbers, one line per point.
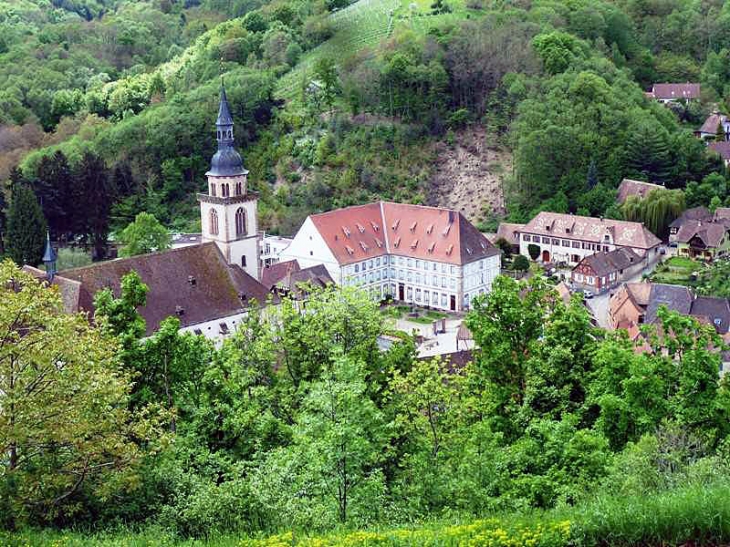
pixel 357 233
pixel 712 122
pixel 710 233
pixel 194 283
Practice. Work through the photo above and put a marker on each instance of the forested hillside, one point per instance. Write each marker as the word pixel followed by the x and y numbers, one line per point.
pixel 338 104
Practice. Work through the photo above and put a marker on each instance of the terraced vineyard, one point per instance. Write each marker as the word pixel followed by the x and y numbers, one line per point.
pixel 363 24
pixel 359 25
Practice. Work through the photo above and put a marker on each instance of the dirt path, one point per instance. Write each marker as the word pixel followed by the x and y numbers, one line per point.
pixel 468 175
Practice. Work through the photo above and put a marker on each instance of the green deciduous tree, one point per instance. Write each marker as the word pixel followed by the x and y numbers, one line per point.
pixel 144 235
pixel 65 430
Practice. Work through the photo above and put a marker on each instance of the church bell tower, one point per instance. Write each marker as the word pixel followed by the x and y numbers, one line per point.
pixel 228 209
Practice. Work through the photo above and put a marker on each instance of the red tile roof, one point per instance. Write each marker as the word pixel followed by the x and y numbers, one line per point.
pixel 194 280
pixel 676 91
pixel 623 233
pixel 429 233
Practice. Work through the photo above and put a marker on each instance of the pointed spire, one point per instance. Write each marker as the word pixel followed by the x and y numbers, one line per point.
pixel 224 112
pixel 49 258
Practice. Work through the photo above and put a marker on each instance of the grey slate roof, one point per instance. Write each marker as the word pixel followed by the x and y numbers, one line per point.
pixel 695 213
pixel 674 297
pixel 716 310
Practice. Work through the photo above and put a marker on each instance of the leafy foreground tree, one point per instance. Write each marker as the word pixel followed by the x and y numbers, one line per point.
pixel 144 235
pixel 65 429
pixel 26 233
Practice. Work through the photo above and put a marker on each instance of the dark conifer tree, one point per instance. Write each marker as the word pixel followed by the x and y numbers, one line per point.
pixel 55 189
pixel 97 190
pixel 648 154
pixel 26 233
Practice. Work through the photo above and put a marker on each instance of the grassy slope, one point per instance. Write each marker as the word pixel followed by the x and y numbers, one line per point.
pixel 698 514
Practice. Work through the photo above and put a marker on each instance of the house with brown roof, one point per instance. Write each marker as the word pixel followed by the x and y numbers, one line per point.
pixel 628 304
pixel 715 122
pixel 564 238
pixel 703 240
pixel 723 150
pixel 196 284
pixel 637 303
pixel 289 279
pixel 427 256
pixel 670 93
pixel 601 271
pixel 630 187
pixel 510 232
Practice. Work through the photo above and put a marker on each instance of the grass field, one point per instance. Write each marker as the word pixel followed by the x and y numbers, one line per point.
pixel 697 515
pixel 677 271
pixel 365 23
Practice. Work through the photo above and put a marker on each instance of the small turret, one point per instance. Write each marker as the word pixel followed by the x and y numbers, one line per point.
pixel 49 258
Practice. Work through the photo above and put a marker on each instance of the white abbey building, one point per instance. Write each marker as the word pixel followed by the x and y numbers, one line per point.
pixel 421 255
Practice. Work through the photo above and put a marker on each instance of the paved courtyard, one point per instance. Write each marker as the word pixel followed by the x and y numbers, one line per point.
pixel 435 344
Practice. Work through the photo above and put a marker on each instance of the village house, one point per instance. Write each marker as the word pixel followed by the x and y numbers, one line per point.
pixel 639 188
pixel 628 305
pixel 563 238
pixel 421 255
pixel 698 233
pixel 723 149
pixel 703 240
pixel 638 303
pixel 714 123
pixel 670 93
pixel 604 270
pixel 509 232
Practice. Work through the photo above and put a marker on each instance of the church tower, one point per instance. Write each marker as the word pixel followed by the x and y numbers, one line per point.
pixel 228 210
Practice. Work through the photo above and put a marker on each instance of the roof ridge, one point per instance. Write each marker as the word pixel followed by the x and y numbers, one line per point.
pixel 137 257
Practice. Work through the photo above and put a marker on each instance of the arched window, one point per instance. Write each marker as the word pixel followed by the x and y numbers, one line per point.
pixel 225 190
pixel 213 222
pixel 212 189
pixel 218 135
pixel 238 188
pixel 240 222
